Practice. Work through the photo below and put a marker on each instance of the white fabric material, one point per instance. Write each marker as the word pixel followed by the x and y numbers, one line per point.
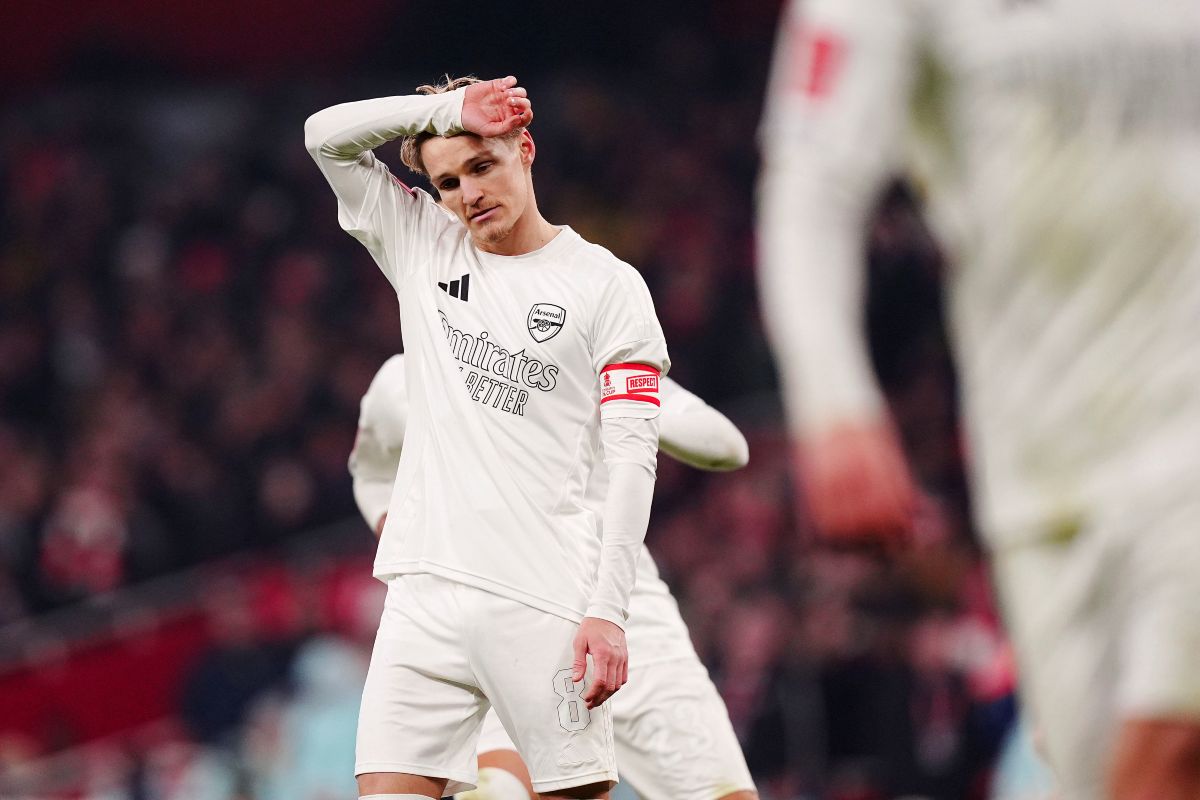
pixel 504 422
pixel 672 733
pixel 660 649
pixel 669 710
pixel 690 430
pixel 382 418
pixel 1060 146
pixel 492 736
pixel 1106 625
pixel 698 435
pixel 631 457
pixel 341 138
pixel 444 649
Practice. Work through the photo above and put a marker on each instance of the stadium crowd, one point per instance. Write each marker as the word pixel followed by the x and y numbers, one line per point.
pixel 185 336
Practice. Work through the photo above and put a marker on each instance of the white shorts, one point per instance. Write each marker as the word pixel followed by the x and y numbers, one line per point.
pixel 1106 626
pixel 673 735
pixel 492 736
pixel 444 650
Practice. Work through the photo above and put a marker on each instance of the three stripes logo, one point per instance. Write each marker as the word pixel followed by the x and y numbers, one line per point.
pixel 457 289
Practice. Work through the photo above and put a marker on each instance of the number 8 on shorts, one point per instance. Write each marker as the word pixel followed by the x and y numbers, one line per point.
pixel 573 714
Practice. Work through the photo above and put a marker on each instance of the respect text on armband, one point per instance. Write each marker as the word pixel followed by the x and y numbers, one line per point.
pixel 495 375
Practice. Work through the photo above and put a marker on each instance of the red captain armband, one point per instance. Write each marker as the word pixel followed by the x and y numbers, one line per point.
pixel 634 382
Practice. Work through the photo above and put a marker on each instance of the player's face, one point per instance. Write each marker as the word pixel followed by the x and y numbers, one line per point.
pixel 485 182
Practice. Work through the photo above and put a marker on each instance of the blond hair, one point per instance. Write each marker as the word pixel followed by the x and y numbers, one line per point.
pixel 410 146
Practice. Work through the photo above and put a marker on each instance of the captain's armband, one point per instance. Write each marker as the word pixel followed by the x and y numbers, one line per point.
pixel 629 390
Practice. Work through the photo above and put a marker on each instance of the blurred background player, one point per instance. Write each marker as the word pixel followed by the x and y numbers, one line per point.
pixel 1060 144
pixel 672 732
pixel 529 349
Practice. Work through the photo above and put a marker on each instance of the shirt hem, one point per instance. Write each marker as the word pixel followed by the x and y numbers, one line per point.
pixel 388 569
pixel 690 658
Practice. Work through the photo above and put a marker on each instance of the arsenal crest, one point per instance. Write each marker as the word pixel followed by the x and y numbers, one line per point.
pixel 545 321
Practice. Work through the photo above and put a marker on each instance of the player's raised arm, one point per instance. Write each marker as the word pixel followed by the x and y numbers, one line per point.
pixel 341 139
pixel 373 206
pixel 695 433
pixel 835 112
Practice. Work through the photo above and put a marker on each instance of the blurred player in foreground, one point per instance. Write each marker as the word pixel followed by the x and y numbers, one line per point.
pixel 531 353
pixel 1060 144
pixel 673 735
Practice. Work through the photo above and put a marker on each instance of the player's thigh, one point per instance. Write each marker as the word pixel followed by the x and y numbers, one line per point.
pixel 420 714
pixel 397 783
pixel 673 735
pixel 1062 612
pixel 523 659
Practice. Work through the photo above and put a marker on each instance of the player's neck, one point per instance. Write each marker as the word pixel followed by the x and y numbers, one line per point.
pixel 531 232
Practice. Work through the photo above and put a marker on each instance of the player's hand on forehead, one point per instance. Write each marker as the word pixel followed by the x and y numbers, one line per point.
pixel 497 107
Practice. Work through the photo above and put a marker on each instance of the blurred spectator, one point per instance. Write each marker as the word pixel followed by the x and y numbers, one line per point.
pixel 303 747
pixel 255 624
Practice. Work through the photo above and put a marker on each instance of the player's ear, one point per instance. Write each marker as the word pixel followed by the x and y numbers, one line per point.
pixel 526 148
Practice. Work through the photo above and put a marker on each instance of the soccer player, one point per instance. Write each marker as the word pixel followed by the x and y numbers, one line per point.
pixel 673 735
pixel 1059 141
pixel 530 353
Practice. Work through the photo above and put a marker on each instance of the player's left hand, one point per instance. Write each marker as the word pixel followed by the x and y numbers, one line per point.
pixel 605 642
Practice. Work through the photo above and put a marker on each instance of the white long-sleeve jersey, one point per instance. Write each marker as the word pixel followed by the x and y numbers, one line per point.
pixel 690 430
pixel 1059 145
pixel 512 364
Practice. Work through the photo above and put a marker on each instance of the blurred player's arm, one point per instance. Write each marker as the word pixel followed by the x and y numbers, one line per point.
pixel 373 470
pixel 836 110
pixel 382 419
pixel 695 433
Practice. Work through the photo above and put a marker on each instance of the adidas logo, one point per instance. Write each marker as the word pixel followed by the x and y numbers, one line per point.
pixel 457 288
